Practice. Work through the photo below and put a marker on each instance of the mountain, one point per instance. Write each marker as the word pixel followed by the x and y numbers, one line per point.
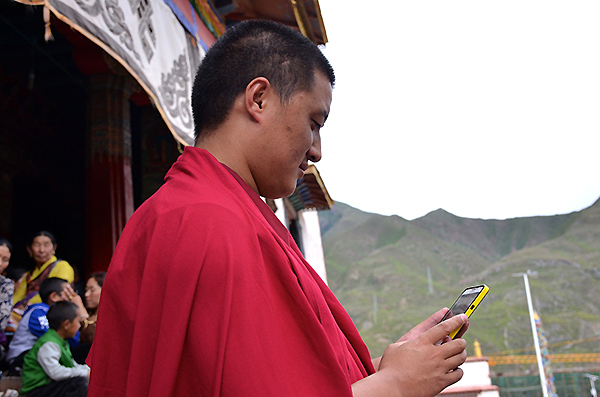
pixel 379 266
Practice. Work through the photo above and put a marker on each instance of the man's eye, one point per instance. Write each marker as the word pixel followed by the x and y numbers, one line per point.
pixel 316 125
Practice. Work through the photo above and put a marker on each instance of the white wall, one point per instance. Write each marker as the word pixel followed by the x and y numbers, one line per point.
pixel 311 237
pixel 311 241
pixel 280 213
pixel 475 373
pixel 476 380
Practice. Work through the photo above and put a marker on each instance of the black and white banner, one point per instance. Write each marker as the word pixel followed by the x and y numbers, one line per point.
pixel 146 37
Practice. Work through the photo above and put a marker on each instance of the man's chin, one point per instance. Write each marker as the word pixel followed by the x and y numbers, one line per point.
pixel 280 193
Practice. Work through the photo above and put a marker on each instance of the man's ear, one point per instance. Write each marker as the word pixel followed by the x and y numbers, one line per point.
pixel 256 97
pixel 29 251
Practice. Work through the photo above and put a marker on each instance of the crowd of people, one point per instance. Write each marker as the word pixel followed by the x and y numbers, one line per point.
pixel 46 326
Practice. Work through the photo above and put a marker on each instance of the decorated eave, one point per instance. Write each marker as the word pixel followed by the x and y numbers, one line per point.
pixel 161 42
pixel 304 15
pixel 311 192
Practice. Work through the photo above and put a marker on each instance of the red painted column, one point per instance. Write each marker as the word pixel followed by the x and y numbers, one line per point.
pixel 109 184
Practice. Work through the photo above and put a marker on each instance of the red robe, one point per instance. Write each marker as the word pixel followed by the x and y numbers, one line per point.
pixel 207 294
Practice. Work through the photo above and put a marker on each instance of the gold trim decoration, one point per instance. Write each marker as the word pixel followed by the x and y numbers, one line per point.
pixel 320 19
pixel 302 19
pixel 47 31
pixel 209 17
pixel 311 192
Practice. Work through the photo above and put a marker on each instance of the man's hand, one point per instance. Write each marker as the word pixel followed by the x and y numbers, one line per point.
pixel 426 325
pixel 418 366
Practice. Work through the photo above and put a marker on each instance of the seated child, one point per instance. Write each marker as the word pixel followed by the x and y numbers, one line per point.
pixel 49 369
pixel 34 323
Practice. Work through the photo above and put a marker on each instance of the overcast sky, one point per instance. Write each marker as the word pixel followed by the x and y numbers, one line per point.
pixel 485 109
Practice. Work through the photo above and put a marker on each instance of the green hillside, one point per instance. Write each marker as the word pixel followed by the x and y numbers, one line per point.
pixel 378 267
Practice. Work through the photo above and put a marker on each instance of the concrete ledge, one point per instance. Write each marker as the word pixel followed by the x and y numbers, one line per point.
pixel 10 382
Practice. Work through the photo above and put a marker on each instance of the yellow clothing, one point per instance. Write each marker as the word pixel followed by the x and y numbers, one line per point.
pixel 61 270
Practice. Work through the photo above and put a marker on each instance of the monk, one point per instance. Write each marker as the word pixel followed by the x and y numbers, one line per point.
pixel 207 294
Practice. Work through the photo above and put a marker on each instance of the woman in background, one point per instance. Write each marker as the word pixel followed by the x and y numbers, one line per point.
pixel 6 302
pixel 6 289
pixel 41 249
pixel 93 288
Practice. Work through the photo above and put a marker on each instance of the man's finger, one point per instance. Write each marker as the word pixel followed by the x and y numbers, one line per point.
pixel 454 348
pixel 445 328
pixel 423 327
pixel 462 331
pixel 437 316
pixel 455 375
pixel 455 360
pixel 432 320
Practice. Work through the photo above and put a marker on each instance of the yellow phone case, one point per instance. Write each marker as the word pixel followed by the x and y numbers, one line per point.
pixel 480 291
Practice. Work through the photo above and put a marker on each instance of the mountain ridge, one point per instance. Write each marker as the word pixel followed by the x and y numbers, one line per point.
pixel 380 266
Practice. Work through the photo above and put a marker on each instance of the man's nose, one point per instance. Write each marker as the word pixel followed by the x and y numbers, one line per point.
pixel 314 153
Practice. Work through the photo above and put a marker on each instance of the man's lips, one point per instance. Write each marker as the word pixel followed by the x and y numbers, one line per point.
pixel 300 173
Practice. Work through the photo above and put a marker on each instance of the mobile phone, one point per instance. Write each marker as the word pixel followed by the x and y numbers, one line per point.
pixel 466 303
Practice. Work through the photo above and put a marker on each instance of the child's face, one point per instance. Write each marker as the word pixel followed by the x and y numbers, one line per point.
pixel 71 327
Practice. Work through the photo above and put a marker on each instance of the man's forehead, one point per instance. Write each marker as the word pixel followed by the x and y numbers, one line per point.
pixel 326 86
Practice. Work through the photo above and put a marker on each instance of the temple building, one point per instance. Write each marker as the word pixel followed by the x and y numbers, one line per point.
pixel 95 107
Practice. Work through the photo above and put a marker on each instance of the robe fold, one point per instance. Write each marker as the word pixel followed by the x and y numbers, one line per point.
pixel 208 295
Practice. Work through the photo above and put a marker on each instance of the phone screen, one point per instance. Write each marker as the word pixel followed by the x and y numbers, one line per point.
pixel 464 301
